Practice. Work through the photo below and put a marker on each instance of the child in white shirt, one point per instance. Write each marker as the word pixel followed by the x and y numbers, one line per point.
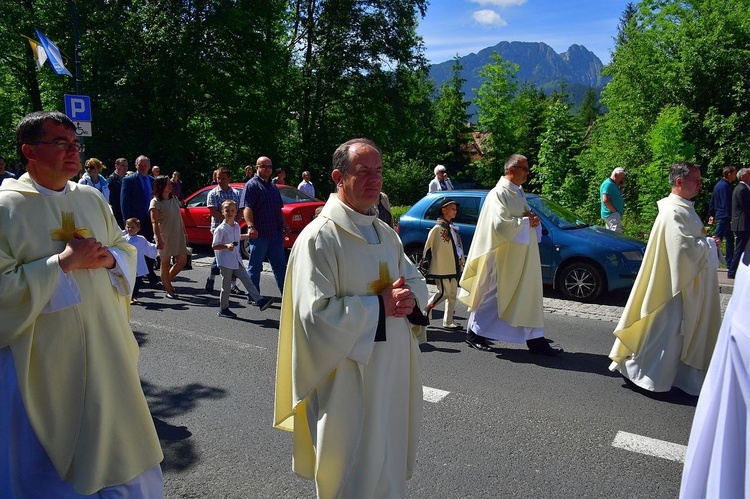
pixel 226 245
pixel 145 249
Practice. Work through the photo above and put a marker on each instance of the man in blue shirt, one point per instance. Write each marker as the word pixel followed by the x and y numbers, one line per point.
pixel 261 203
pixel 720 210
pixel 611 197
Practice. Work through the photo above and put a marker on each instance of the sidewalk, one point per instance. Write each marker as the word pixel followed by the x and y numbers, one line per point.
pixel 612 313
pixel 726 285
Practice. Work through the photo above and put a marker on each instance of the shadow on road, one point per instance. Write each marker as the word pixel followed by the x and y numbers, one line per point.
pixel 583 362
pixel 179 454
pixel 594 364
pixel 165 403
pixel 140 338
pixel 674 396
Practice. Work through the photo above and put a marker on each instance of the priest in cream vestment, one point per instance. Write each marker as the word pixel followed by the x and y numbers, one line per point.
pixel 668 330
pixel 348 371
pixel 73 416
pixel 502 279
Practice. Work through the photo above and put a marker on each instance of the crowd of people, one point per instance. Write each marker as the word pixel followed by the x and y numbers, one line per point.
pixel 355 310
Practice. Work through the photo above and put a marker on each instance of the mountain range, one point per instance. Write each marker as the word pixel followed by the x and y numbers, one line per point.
pixel 578 68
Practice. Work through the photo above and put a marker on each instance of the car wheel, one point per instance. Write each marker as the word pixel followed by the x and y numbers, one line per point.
pixel 581 282
pixel 245 249
pixel 414 253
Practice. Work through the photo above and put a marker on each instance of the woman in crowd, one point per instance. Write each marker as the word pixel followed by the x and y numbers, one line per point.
pixel 91 177
pixel 169 232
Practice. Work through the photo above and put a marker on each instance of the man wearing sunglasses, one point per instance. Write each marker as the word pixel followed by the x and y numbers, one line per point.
pixel 73 416
pixel 261 203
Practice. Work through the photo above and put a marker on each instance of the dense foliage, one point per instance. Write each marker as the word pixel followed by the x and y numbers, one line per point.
pixel 680 81
pixel 202 83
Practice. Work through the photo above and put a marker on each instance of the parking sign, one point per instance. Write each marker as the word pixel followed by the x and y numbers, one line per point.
pixel 78 107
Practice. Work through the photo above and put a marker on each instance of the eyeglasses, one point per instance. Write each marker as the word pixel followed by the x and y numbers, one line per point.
pixel 61 145
pixel 91 168
pixel 263 166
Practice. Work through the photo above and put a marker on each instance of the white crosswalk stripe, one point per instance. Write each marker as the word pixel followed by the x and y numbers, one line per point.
pixel 650 446
pixel 433 394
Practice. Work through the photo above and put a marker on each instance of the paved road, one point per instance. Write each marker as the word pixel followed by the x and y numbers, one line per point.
pixel 501 424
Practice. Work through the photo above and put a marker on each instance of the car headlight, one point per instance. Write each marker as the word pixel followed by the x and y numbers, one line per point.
pixel 635 256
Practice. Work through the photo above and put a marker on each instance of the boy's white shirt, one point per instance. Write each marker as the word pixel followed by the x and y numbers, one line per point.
pixel 225 234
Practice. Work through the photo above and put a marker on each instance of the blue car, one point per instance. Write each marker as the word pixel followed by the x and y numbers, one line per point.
pixel 579 259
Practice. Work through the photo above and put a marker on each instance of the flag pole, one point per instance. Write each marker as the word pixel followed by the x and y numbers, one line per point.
pixel 76 46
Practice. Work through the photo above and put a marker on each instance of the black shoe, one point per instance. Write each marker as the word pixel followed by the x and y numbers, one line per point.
pixel 264 303
pixel 541 346
pixel 477 342
pixel 225 312
pixel 209 285
pixel 234 290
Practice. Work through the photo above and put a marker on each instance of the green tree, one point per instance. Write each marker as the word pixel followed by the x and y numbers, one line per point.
pixel 204 83
pixel 495 101
pixel 625 19
pixel 667 143
pixel 690 55
pixel 24 88
pixel 529 109
pixel 556 172
pixel 342 47
pixel 590 109
pixel 450 122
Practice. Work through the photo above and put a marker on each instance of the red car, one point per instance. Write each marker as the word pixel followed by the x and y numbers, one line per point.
pixel 299 210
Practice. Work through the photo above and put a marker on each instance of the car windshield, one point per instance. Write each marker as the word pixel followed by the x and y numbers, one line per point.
pixel 291 195
pixel 558 215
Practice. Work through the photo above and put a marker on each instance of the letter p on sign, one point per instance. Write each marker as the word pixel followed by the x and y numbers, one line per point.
pixel 78 107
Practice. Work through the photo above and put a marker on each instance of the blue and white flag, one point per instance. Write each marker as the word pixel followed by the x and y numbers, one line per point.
pixel 53 53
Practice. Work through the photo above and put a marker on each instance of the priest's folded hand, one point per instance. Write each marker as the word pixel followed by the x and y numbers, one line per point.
pixel 85 253
pixel 398 299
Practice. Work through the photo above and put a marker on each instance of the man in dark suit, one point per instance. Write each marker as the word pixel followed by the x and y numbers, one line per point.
pixel 115 187
pixel 135 197
pixel 719 209
pixel 740 218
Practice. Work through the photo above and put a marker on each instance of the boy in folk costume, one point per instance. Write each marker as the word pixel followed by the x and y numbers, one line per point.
pixel 445 254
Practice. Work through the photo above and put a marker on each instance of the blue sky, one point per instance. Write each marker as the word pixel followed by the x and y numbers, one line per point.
pixel 464 26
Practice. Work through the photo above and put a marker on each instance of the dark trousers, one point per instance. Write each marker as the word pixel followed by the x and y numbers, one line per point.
pixel 147 231
pixel 740 245
pixel 137 287
pixel 725 233
pixel 215 269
